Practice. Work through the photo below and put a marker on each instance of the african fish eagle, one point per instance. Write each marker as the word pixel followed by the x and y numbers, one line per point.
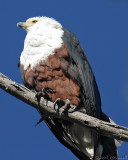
pixel 53 59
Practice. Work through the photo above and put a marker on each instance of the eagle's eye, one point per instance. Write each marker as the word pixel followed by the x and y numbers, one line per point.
pixel 34 21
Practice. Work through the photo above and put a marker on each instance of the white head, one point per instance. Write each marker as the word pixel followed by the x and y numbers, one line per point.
pixel 36 21
pixel 44 35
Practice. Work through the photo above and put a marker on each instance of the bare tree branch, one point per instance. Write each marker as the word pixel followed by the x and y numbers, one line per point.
pixel 47 107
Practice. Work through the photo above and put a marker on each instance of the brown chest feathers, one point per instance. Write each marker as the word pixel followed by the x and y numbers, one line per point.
pixel 50 74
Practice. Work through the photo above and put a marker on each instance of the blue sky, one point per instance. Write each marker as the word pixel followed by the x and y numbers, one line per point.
pixel 102 28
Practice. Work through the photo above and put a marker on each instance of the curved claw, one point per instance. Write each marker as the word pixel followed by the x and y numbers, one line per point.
pixel 59 102
pixel 42 93
pixel 65 104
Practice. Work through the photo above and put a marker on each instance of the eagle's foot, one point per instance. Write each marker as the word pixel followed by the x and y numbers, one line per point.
pixel 43 94
pixel 64 104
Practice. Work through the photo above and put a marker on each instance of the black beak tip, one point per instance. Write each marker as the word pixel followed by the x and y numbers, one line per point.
pixel 20 24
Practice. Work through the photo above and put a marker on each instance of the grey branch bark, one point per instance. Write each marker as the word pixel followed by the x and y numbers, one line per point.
pixel 47 107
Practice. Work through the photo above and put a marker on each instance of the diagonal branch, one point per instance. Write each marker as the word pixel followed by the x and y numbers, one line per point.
pixel 24 94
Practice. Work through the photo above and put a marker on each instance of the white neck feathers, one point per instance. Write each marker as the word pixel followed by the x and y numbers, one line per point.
pixel 42 39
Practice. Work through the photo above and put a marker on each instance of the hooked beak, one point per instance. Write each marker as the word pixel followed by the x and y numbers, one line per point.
pixel 21 24
pixel 25 25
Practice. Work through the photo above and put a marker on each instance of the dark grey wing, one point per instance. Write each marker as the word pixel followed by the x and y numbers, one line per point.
pixel 84 75
pixel 81 71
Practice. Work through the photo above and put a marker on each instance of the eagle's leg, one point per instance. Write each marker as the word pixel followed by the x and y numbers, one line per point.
pixel 64 104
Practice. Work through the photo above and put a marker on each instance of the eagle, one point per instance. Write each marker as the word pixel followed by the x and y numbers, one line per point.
pixel 54 62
